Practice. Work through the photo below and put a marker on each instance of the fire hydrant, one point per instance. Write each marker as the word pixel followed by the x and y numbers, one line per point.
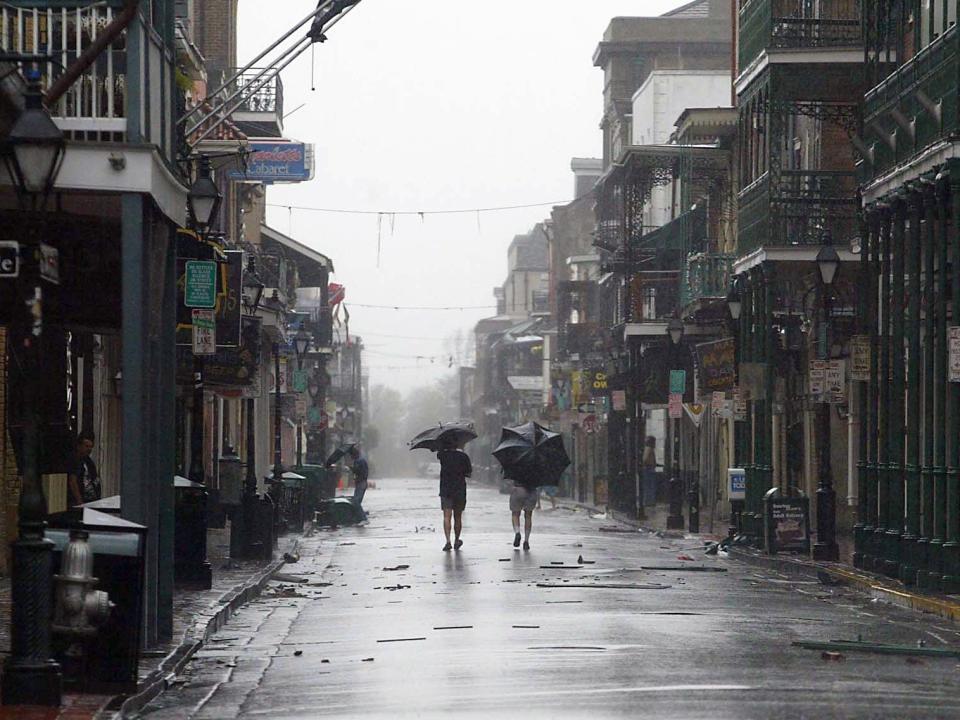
pixel 80 609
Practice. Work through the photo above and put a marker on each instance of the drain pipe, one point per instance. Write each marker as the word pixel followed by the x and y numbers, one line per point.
pixel 110 33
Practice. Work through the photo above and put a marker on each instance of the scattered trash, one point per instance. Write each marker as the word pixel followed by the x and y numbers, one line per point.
pixel 282 577
pixel 585 562
pixel 832 656
pixel 297 653
pixel 325 660
pixel 454 627
pixel 614 529
pixel 291 557
pixel 504 560
pixel 347 543
pixel 915 661
pixel 878 648
pixel 527 627
pixel 367 660
pixel 712 549
pixel 398 567
pixel 564 602
pixel 684 568
pixel 827 579
pixel 607 586
pixel 409 639
pixel 561 567
pixel 685 557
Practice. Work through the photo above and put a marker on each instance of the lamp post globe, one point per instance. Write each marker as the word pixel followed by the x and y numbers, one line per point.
pixel 828 262
pixel 301 344
pixel 204 198
pixel 675 330
pixel 735 301
pixel 35 147
pixel 252 287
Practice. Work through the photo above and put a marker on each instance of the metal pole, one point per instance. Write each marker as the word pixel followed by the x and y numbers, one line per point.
pixel 258 58
pixel 951 548
pixel 895 427
pixel 196 423
pixel 30 677
pixel 826 546
pixel 276 486
pixel 871 551
pixel 940 388
pixel 883 470
pixel 926 472
pixel 908 566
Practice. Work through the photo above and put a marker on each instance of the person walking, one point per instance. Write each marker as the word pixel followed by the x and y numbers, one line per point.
pixel 361 471
pixel 650 472
pixel 83 479
pixel 523 498
pixel 455 468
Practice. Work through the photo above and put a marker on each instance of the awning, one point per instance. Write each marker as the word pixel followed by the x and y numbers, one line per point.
pixel 312 266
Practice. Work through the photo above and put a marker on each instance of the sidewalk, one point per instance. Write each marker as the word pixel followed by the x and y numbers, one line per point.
pixel 196 615
pixel 878 587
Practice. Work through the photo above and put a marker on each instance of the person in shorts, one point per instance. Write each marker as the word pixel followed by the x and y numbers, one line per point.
pixel 455 468
pixel 523 498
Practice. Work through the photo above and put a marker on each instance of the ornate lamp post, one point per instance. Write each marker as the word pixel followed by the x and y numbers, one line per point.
pixel 735 306
pixel 243 523
pixel 33 153
pixel 828 262
pixel 301 345
pixel 203 204
pixel 675 518
pixel 276 484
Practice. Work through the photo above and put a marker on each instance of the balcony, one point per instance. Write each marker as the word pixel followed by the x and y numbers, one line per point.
pixel 260 109
pixel 706 277
pixel 654 296
pixel 930 77
pixel 798 209
pixel 797 24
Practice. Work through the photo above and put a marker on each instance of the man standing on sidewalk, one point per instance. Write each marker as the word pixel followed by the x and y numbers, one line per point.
pixel 361 471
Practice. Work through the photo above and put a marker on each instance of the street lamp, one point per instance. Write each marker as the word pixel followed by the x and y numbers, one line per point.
pixel 675 518
pixel 828 262
pixel 33 153
pixel 252 287
pixel 301 345
pixel 204 198
pixel 735 300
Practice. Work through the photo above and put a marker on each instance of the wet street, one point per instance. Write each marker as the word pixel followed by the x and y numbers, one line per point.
pixel 377 621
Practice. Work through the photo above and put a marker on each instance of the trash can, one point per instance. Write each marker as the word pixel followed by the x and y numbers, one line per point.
pixel 314 488
pixel 339 511
pixel 119 549
pixel 190 566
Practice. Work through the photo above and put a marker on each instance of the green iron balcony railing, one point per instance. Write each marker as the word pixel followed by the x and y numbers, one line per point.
pixel 784 24
pixel 914 108
pixel 706 276
pixel 800 208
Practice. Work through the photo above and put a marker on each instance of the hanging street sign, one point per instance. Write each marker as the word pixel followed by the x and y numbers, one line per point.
pixel 860 358
pixel 200 288
pixel 827 380
pixel 9 259
pixel 204 332
pixel 300 381
pixel 675 406
pixel 678 381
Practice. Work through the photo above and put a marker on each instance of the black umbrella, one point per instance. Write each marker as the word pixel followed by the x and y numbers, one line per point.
pixel 339 453
pixel 436 437
pixel 532 454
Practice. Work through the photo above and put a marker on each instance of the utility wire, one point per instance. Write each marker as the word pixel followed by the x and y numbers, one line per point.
pixel 421 213
pixel 424 307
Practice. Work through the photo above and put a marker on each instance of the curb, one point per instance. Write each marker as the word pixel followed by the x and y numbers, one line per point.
pixel 874 586
pixel 196 635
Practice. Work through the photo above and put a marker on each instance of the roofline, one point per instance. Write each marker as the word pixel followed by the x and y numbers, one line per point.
pixel 297 247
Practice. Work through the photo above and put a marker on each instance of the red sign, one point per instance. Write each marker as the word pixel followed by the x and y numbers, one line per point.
pixel 337 293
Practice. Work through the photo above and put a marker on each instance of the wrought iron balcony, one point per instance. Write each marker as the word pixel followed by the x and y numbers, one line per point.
pixel 260 109
pixel 799 208
pixel 654 296
pixel 786 24
pixel 923 92
pixel 706 276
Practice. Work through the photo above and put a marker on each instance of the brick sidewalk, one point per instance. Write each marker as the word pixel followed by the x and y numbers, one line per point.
pixel 193 611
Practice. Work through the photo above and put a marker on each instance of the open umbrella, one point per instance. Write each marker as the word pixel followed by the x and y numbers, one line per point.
pixel 532 454
pixel 435 437
pixel 339 453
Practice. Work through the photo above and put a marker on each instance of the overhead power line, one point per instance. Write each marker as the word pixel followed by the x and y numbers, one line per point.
pixel 424 307
pixel 421 213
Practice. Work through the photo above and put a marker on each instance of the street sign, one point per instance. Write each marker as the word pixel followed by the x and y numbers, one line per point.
pixel 828 381
pixel 678 381
pixel 204 332
pixel 860 358
pixel 50 263
pixel 619 400
pixel 300 381
pixel 200 289
pixel 9 259
pixel 301 408
pixel 954 346
pixel 675 406
pixel 737 487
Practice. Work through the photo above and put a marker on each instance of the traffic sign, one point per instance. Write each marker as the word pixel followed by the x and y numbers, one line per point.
pixel 678 381
pixel 204 332
pixel 200 286
pixel 9 259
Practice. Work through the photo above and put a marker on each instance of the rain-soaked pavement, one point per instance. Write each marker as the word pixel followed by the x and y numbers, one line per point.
pixel 387 625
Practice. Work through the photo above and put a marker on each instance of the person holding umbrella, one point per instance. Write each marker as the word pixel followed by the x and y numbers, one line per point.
pixel 531 455
pixel 455 468
pixel 447 440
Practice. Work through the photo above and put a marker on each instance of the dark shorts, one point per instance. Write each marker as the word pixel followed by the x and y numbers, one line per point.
pixel 453 502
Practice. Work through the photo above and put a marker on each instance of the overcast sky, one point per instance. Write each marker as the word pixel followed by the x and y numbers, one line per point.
pixel 425 105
